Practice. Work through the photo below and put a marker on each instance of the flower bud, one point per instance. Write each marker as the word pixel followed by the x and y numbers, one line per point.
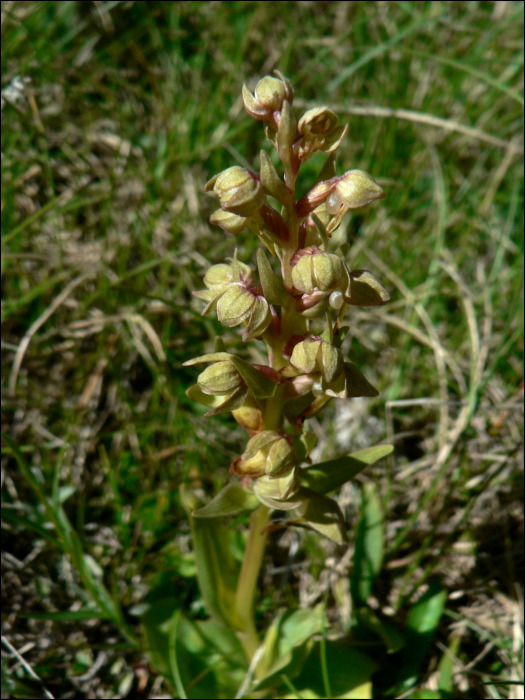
pixel 316 355
pixel 217 279
pixel 269 452
pixel 357 188
pixel 239 190
pixel 270 93
pixel 219 379
pixel 320 132
pixel 317 270
pixel 228 221
pixel 240 304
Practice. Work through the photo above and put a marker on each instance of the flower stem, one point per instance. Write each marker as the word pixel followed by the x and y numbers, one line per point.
pixel 248 578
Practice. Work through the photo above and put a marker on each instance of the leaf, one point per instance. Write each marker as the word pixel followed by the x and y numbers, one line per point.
pixel 273 184
pixel 446 666
pixel 422 623
pixel 233 499
pixel 366 290
pixel 260 386
pixel 67 615
pixel 321 514
pixel 177 649
pixel 217 570
pixel 369 546
pixel 349 670
pixel 274 290
pixel 15 520
pixel 327 172
pixel 295 630
pixel 392 638
pixel 329 476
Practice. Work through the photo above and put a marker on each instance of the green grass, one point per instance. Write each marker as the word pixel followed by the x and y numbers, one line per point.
pixel 129 109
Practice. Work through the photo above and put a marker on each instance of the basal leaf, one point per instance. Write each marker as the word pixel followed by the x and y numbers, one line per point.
pixel 368 555
pixel 217 570
pixel 233 499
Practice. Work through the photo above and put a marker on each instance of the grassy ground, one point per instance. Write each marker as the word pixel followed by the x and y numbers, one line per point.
pixel 114 115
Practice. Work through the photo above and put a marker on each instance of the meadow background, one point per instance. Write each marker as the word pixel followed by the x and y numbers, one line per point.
pixel 114 115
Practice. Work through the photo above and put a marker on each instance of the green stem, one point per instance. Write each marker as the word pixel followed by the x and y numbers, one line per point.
pixel 248 578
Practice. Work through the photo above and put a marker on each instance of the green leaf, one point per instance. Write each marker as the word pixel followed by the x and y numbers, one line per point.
pixel 217 570
pixel 68 615
pixel 260 386
pixel 273 184
pixel 177 648
pixel 220 345
pixel 342 251
pixel 233 499
pixel 274 290
pixel 369 546
pixel 20 521
pixel 446 666
pixel 392 638
pixel 171 627
pixel 422 623
pixel 327 172
pixel 321 514
pixel 329 476
pixel 349 670
pixel 365 290
pixel 295 630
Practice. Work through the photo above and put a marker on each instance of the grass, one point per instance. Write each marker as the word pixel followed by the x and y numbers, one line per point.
pixel 126 110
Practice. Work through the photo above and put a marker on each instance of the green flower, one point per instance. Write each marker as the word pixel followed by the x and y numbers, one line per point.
pixel 320 131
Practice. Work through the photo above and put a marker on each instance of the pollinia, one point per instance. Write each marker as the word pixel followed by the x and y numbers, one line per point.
pixel 315 289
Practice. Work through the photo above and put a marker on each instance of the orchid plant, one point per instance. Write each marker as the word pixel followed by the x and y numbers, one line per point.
pixel 307 285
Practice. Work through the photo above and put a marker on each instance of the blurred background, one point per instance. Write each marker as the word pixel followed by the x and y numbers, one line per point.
pixel 114 115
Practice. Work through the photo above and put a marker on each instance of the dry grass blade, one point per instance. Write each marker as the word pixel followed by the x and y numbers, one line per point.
pixel 24 343
pixel 26 666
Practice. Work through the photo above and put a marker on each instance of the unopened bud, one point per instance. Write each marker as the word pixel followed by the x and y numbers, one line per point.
pixel 316 355
pixel 269 452
pixel 357 188
pixel 270 93
pixel 239 304
pixel 239 190
pixel 318 270
pixel 219 379
pixel 228 221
